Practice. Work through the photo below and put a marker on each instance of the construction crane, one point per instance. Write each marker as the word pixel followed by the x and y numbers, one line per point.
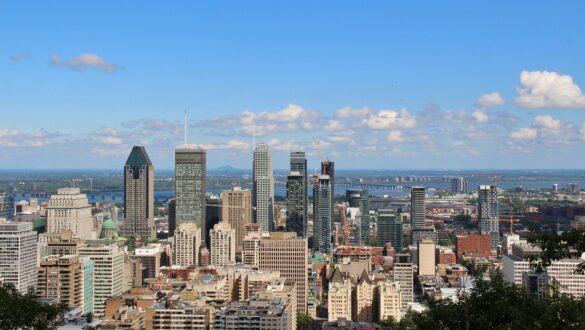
pixel 344 225
pixel 511 220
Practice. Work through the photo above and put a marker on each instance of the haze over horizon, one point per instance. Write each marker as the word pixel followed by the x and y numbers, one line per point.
pixel 378 86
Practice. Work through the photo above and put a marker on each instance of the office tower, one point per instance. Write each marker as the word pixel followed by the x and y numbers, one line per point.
pixel 288 254
pixel 339 296
pixel 223 245
pixel 190 172
pixel 322 213
pixel 172 216
pixel 263 188
pixel 417 213
pixel 108 272
pixel 87 275
pixel 328 168
pixel 389 300
pixel 187 240
pixel 139 195
pixel 60 278
pixel 489 213
pixel 363 299
pixel 389 229
pixel 18 254
pixel 7 205
pixel 69 210
pixel 426 258
pixel 298 163
pixel 237 211
pixel 150 257
pixel 404 275
pixel 296 204
pixel 459 185
pixel 359 198
pixel 212 215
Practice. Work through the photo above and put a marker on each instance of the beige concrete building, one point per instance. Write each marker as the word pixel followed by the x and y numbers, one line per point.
pixel 70 210
pixel 60 278
pixel 282 289
pixel 287 253
pixel 426 257
pixel 339 297
pixel 363 299
pixel 187 241
pixel 388 300
pixel 404 275
pixel 149 256
pixel 223 245
pixel 108 272
pixel 178 315
pixel 251 251
pixel 237 211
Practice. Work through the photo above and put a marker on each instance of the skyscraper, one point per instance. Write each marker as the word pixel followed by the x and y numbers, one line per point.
pixel 237 211
pixel 328 168
pixel 190 172
pixel 212 215
pixel 389 229
pixel 459 185
pixel 263 188
pixel 7 205
pixel 417 217
pixel 322 213
pixel 139 195
pixel 18 254
pixel 69 210
pixel 296 204
pixel 359 198
pixel 298 163
pixel 489 213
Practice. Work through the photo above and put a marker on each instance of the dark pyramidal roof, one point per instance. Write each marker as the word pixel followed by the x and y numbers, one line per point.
pixel 138 157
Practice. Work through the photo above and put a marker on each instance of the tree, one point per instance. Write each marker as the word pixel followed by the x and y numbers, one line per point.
pixel 25 311
pixel 570 244
pixel 304 321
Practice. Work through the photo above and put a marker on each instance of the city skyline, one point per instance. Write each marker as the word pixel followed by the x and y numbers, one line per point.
pixel 515 92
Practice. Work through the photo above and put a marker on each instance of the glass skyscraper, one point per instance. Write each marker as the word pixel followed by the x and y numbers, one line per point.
pixel 190 173
pixel 322 213
pixel 359 198
pixel 263 196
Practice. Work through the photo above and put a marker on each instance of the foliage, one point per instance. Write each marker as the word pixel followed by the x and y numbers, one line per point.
pixel 25 311
pixel 373 242
pixel 570 244
pixel 304 321
pixel 496 304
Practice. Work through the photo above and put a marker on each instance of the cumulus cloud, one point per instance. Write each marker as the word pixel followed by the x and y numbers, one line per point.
pixel 349 112
pixel 111 140
pixel 85 61
pixel 489 100
pixel 547 122
pixel 395 136
pixel 544 89
pixel 334 126
pixel 15 138
pixel 480 116
pixel 387 119
pixel 458 144
pixel 524 134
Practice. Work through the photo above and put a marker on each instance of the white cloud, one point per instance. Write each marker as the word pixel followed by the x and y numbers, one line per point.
pixel 85 61
pixel 395 136
pixel 111 140
pixel 349 112
pixel 458 144
pixel 524 134
pixel 333 126
pixel 386 119
pixel 279 145
pixel 544 89
pixel 15 138
pixel 582 131
pixel 489 100
pixel 480 116
pixel 547 122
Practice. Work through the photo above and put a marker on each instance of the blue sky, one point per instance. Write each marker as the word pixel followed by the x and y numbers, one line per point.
pixel 385 85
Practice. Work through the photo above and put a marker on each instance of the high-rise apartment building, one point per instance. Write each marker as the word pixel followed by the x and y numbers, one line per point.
pixel 187 240
pixel 288 254
pixel 18 254
pixel 6 205
pixel 87 274
pixel 251 251
pixel 139 195
pixel 322 220
pixel 417 207
pixel 328 168
pixel 404 275
pixel 223 245
pixel 489 213
pixel 296 204
pixel 363 299
pixel 212 215
pixel 339 302
pixel 426 258
pixel 389 229
pixel 237 211
pixel 389 300
pixel 190 173
pixel 60 278
pixel 263 196
pixel 70 210
pixel 298 163
pixel 459 185
pixel 108 272
pixel 359 198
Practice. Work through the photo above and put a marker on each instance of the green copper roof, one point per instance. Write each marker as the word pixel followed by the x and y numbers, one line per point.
pixel 109 224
